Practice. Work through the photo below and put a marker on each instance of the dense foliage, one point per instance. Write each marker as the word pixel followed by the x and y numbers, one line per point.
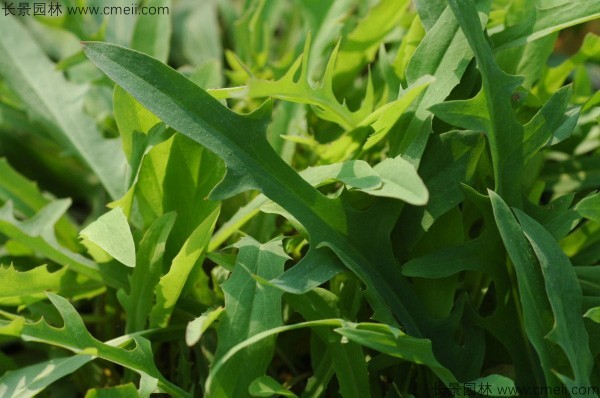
pixel 308 198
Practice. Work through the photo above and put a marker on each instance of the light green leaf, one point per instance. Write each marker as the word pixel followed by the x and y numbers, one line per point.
pixel 171 284
pixel 196 328
pixel 146 274
pixel 354 174
pixel 23 288
pixel 593 314
pixel 131 117
pixel 266 386
pixel 28 381
pixel 320 96
pixel 57 103
pixel 111 232
pixel 196 32
pixel 123 391
pixel 589 207
pixel 28 200
pixel 152 33
pixel 430 11
pixel 400 181
pixel 547 20
pixel 360 46
pixel 37 233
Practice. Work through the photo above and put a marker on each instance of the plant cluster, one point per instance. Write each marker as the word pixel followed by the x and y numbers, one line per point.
pixel 309 198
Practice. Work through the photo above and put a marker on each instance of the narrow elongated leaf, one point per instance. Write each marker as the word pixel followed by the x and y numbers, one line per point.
pixel 564 294
pixel 171 284
pixel 430 11
pixel 147 272
pixel 131 118
pixel 537 313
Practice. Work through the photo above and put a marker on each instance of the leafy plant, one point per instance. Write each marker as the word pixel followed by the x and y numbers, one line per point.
pixel 401 203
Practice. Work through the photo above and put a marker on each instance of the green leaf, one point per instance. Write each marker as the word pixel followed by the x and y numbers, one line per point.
pixel 222 362
pixel 28 200
pixel 538 320
pixel 250 308
pixel 444 53
pixel 395 343
pixel 593 314
pixel 37 233
pixel 171 284
pixel 496 384
pixel 589 207
pixel 320 96
pixel 505 133
pixel 564 294
pixel 347 358
pixel 196 328
pixel 266 386
pixel 27 287
pixel 28 381
pixel 146 274
pixel 430 11
pixel 400 181
pixel 325 20
pixel 169 168
pixel 152 33
pixel 360 46
pixel 546 21
pixel 111 232
pixel 197 33
pixel 123 391
pixel 57 103
pixel 131 118
pixel 316 267
pixel 75 337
